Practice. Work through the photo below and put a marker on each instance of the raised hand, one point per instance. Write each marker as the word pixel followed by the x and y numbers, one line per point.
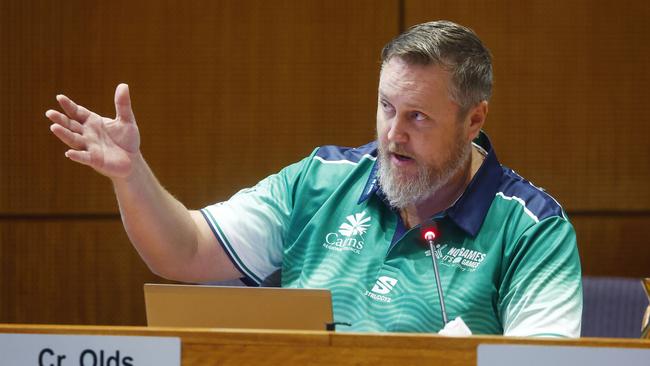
pixel 107 145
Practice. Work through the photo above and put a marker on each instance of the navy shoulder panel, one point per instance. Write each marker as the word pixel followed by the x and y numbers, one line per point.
pixel 537 201
pixel 337 153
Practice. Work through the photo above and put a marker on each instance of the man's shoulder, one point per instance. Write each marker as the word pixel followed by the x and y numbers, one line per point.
pixel 536 202
pixel 346 155
pixel 330 168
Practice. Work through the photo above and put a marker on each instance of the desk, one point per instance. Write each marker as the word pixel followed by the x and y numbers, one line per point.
pixel 263 347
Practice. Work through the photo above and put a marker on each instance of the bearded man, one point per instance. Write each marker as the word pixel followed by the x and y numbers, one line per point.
pixel 349 219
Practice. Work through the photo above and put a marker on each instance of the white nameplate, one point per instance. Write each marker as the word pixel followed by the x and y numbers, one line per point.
pixel 517 355
pixel 88 350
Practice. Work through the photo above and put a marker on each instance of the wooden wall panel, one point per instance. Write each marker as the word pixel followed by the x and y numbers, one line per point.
pixel 613 245
pixel 570 108
pixel 70 272
pixel 225 92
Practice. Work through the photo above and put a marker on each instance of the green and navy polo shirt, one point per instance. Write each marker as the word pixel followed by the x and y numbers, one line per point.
pixel 506 251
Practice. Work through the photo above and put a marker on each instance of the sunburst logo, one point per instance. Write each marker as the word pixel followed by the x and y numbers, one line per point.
pixel 349 237
pixel 356 225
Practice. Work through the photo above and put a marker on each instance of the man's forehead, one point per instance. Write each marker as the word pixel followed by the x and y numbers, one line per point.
pixel 420 82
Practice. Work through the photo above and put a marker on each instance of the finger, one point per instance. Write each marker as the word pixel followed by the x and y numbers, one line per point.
pixel 74 140
pixel 82 157
pixel 63 120
pixel 73 110
pixel 123 104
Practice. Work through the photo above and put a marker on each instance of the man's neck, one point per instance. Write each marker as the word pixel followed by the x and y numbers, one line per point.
pixel 444 197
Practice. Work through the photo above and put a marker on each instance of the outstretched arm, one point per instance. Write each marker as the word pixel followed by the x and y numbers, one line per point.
pixel 175 242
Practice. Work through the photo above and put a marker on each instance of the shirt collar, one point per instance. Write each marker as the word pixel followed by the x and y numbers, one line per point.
pixel 469 211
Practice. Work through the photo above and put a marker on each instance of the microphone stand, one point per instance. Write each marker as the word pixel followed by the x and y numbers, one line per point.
pixel 429 236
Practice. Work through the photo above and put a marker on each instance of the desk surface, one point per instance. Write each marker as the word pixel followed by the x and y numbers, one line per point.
pixel 253 347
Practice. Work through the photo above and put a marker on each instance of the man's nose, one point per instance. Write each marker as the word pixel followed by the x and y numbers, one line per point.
pixel 398 130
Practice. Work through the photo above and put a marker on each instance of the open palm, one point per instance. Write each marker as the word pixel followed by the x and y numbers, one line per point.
pixel 107 145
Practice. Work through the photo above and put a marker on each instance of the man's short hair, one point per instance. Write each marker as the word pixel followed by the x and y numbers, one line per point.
pixel 454 47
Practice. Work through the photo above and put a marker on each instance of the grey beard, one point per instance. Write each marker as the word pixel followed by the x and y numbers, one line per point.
pixel 401 192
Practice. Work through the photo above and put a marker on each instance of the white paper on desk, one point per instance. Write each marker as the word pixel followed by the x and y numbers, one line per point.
pixel 456 328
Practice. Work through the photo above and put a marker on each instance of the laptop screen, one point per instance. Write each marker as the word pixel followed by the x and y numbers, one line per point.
pixel 237 307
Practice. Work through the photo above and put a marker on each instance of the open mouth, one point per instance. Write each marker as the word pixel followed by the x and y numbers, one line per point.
pixel 402 157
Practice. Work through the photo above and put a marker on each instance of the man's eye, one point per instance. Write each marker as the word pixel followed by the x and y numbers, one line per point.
pixel 386 106
pixel 418 116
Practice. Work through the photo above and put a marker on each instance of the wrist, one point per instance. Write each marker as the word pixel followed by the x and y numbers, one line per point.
pixel 138 168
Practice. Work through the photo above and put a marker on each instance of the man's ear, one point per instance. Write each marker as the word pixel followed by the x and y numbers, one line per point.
pixel 476 119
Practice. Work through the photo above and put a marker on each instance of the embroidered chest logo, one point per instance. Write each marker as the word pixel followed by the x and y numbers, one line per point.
pixel 461 258
pixel 382 288
pixel 350 234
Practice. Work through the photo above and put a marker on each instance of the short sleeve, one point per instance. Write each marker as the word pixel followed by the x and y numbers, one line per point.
pixel 541 291
pixel 252 225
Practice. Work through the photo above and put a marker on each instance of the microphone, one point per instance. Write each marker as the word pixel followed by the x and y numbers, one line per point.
pixel 429 234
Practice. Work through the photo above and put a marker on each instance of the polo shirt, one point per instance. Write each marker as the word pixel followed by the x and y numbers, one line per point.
pixel 505 249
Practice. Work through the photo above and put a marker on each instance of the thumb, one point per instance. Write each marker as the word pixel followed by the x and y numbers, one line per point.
pixel 123 104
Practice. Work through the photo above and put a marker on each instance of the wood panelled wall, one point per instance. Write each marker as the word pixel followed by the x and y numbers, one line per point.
pixel 227 92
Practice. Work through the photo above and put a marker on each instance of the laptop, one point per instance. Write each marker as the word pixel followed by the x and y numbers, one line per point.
pixel 237 307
